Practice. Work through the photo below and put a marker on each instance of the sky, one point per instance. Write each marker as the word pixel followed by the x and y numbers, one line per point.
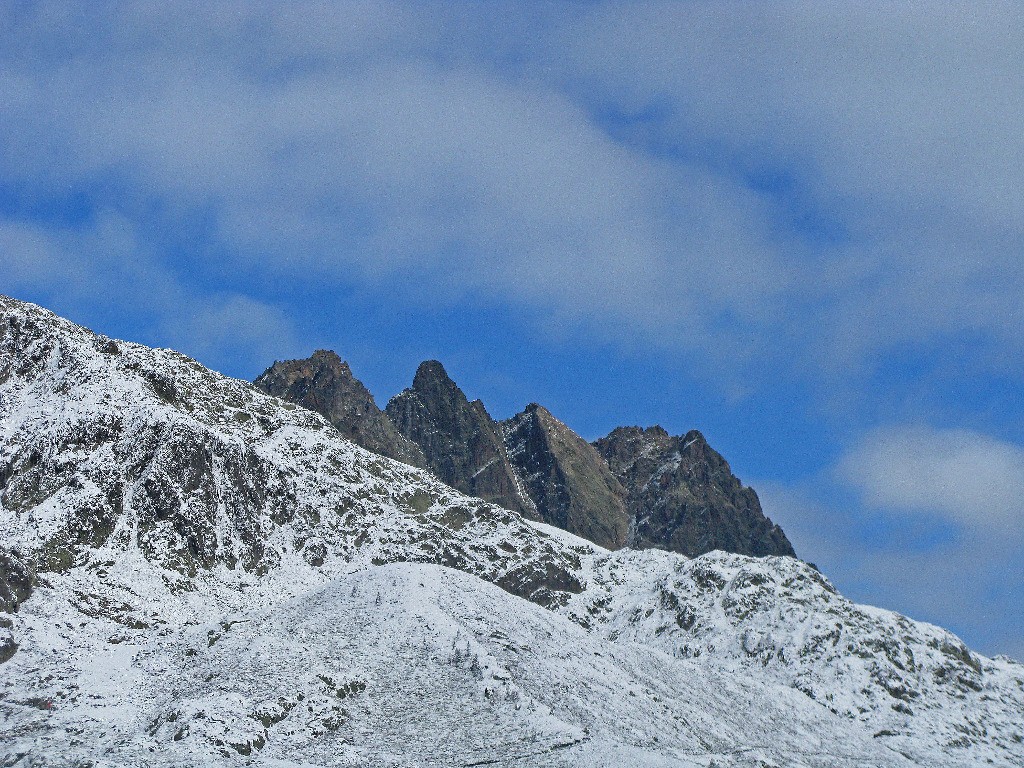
pixel 796 227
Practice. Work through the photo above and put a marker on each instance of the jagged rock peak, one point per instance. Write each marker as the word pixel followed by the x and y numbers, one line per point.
pixel 430 374
pixel 330 357
pixel 629 434
pixel 683 496
pixel 566 477
pixel 324 383
pixel 461 442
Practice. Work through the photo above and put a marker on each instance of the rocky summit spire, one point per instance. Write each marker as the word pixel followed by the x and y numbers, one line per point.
pixel 324 383
pixel 683 497
pixel 460 440
pixel 567 478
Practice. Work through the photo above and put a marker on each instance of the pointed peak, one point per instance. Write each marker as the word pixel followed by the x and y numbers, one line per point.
pixel 431 368
pixel 634 434
pixel 543 415
pixel 624 433
pixel 431 372
pixel 320 360
pixel 326 354
pixel 330 359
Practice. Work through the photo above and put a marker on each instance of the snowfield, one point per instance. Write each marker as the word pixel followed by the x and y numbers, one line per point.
pixel 221 579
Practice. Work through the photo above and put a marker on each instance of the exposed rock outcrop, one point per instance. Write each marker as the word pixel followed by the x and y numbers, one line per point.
pixel 461 442
pixel 635 487
pixel 567 479
pixel 324 383
pixel 15 580
pixel 684 498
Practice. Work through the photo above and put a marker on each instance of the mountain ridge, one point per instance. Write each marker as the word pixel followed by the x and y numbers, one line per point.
pixel 219 578
pixel 535 464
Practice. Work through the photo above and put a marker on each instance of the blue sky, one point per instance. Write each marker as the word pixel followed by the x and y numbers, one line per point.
pixel 795 227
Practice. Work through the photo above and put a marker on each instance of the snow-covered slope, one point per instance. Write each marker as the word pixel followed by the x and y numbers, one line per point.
pixel 222 579
pixel 913 686
pixel 105 442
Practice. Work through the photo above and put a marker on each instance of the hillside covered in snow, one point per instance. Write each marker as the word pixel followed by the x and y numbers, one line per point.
pixel 193 572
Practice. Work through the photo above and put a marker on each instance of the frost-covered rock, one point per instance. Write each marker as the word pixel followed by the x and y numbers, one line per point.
pixel 906 682
pixel 113 445
pixel 683 497
pixel 15 580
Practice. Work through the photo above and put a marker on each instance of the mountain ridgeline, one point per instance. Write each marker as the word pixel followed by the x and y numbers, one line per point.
pixel 193 572
pixel 637 488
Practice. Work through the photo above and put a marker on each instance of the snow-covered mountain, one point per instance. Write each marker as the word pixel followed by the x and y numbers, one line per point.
pixel 195 573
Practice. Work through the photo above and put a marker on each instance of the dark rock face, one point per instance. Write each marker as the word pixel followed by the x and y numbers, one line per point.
pixel 684 498
pixel 324 383
pixel 568 480
pixel 638 488
pixel 15 581
pixel 461 442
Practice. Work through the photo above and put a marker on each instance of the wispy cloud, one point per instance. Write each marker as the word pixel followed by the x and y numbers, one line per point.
pixel 643 170
pixel 974 479
pixel 895 128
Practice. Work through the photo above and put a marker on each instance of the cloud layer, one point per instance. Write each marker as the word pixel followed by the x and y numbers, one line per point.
pixel 710 181
pixel 974 479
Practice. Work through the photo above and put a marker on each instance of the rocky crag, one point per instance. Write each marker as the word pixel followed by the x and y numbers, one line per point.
pixel 195 573
pixel 460 440
pixel 683 497
pixel 568 481
pixel 635 487
pixel 324 383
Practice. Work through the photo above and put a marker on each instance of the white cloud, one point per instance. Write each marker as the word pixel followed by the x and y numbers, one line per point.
pixel 971 584
pixel 230 330
pixel 899 126
pixel 969 477
pixel 451 153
